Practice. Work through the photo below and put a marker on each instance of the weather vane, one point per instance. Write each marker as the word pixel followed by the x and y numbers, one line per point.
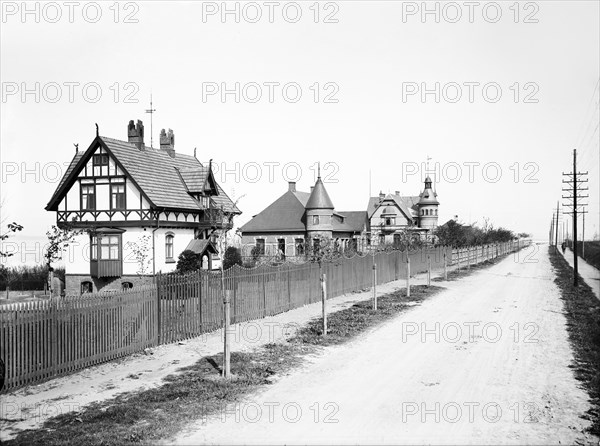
pixel 151 111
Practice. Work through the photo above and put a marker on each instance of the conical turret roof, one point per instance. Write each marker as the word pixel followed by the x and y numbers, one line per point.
pixel 428 196
pixel 319 198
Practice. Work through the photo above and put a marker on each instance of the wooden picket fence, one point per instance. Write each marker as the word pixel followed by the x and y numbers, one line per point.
pixel 48 338
pixel 44 339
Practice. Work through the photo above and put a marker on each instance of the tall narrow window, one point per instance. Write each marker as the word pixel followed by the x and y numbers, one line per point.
pixel 299 247
pixel 260 245
pixel 169 239
pixel 109 247
pixel 117 196
pixel 281 246
pixel 94 248
pixel 88 197
pixel 315 219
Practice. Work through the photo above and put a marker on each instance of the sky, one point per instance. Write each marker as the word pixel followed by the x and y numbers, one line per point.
pixel 496 96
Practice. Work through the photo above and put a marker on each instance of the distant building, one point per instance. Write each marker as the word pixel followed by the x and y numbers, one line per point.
pixel 392 215
pixel 288 226
pixel 130 199
pixel 292 224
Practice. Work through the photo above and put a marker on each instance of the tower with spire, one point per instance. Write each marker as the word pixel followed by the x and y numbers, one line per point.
pixel 428 207
pixel 319 212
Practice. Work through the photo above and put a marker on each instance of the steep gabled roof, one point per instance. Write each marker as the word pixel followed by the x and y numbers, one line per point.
pixel 201 246
pixel 319 198
pixel 283 215
pixel 198 180
pixel 405 204
pixel 153 171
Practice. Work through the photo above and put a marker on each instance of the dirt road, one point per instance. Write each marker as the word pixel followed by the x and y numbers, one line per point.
pixel 486 361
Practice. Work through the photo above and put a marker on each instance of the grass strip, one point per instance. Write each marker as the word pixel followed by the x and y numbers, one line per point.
pixel 582 310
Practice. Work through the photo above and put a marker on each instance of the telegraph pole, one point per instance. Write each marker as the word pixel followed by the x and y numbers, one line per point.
pixel 556 232
pixel 583 237
pixel 574 188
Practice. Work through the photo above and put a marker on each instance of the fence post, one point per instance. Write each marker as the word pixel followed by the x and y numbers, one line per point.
pixel 200 283
pixel 407 275
pixel 158 312
pixel 374 286
pixel 54 335
pixel 264 288
pixel 428 270
pixel 226 347
pixel 289 289
pixel 324 301
pixel 445 266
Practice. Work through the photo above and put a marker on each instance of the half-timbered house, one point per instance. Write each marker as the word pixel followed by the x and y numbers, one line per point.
pixel 135 209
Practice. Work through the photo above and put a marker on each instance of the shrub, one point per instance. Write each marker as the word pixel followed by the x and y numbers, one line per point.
pixel 232 256
pixel 188 261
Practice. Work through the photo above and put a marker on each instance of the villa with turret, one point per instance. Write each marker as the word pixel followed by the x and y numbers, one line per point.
pixel 296 222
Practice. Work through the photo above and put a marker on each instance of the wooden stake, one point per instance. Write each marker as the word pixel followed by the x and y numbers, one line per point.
pixel 324 301
pixel 374 286
pixel 407 275
pixel 445 267
pixel 226 346
pixel 428 270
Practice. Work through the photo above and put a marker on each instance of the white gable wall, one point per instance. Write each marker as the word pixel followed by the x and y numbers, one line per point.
pixel 132 193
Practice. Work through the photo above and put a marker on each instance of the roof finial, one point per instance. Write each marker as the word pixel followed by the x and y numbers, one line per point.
pixel 195 153
pixel 210 165
pixel 97 130
pixel 318 169
pixel 76 147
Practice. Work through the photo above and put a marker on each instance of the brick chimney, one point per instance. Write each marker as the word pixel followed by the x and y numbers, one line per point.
pixel 381 195
pixel 292 186
pixel 397 192
pixel 135 134
pixel 167 142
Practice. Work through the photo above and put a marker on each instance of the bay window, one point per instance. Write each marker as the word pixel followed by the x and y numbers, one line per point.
pixel 106 257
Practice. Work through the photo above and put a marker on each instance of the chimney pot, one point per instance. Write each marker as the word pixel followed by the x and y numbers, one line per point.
pixel 397 192
pixel 135 134
pixel 292 186
pixel 167 142
pixel 381 195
